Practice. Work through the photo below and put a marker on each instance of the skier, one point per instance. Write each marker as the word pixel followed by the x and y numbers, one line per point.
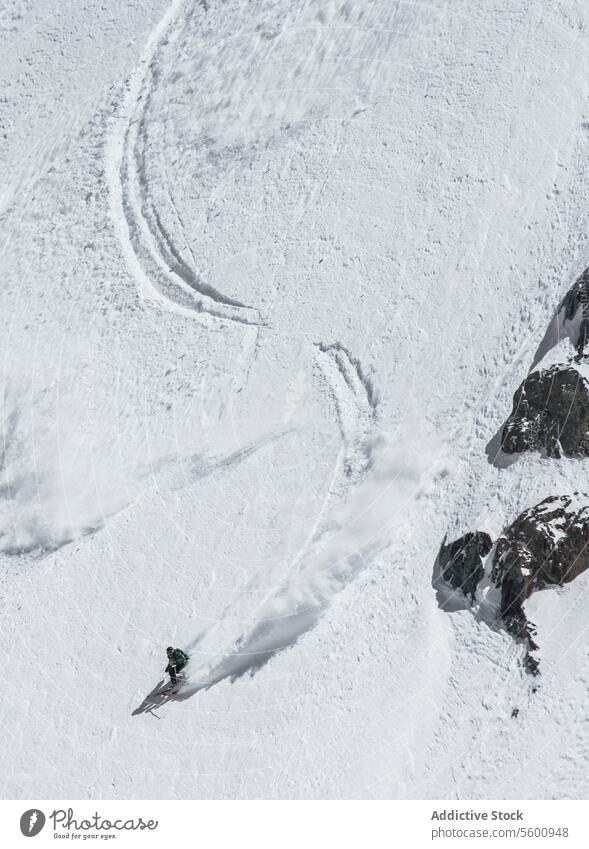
pixel 177 660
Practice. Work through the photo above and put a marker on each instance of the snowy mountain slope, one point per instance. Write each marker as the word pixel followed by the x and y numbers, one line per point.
pixel 271 275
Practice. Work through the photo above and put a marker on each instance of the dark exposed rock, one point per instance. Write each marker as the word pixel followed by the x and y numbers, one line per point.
pixel 546 545
pixel 551 413
pixel 461 561
pixel 577 298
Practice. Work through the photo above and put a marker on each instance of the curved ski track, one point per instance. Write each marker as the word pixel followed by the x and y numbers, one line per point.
pixel 300 595
pixel 156 262
pixel 164 275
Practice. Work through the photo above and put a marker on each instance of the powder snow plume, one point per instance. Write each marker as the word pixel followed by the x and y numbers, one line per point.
pixel 359 529
pixel 58 479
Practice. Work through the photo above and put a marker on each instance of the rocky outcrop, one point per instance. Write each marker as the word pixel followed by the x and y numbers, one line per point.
pixel 551 406
pixel 549 543
pixel 546 545
pixel 550 413
pixel 574 308
pixel 461 562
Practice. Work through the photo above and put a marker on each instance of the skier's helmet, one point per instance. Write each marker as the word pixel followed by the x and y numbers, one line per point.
pixel 170 649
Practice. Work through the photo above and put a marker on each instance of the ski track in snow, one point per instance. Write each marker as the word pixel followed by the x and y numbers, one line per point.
pixel 165 276
pixel 327 560
pixel 286 613
pixel 161 271
pixel 356 408
pixel 435 204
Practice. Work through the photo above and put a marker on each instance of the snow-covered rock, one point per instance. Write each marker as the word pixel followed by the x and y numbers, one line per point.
pixel 545 545
pixel 550 413
pixel 461 562
pixel 574 312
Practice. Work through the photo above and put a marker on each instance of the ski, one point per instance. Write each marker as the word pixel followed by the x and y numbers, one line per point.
pixel 169 691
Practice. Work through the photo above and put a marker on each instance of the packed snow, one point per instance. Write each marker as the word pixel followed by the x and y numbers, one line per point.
pixel 271 274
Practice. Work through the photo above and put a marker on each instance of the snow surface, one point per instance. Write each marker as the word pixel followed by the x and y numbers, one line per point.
pixel 271 273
